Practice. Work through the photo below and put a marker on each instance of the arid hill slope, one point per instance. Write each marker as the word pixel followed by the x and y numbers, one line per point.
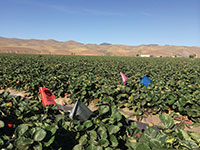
pixel 33 46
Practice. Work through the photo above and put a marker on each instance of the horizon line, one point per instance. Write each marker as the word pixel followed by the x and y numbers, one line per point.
pixel 149 44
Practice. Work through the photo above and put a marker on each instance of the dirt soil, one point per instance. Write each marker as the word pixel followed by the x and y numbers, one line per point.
pixel 63 103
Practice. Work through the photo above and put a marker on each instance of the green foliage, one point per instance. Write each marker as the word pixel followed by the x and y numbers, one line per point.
pixel 175 85
pixel 106 129
pixel 33 127
pixel 167 121
pixel 1 124
pixel 175 81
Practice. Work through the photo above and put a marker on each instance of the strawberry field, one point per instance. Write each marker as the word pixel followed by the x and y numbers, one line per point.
pixel 28 125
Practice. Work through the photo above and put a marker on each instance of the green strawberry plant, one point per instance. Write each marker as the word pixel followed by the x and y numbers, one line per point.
pixel 28 125
pixel 37 127
pixel 175 81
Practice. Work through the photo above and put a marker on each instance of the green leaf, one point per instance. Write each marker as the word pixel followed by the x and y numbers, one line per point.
pixel 103 109
pixel 79 127
pixel 103 142
pixel 143 102
pixel 113 129
pixel 151 132
pixel 114 140
pixel 47 144
pixel 1 124
pixel 52 129
pixel 6 138
pixel 133 125
pixel 99 148
pixel 91 147
pixel 144 138
pixel 154 143
pixel 10 146
pixel 5 94
pixel 139 112
pixel 88 124
pixel 171 100
pixel 32 131
pixel 78 147
pixel 108 148
pixel 116 115
pixel 161 137
pixel 23 143
pixel 84 93
pixel 39 135
pixel 1 142
pixel 185 135
pixel 132 145
pixel 195 136
pixel 27 141
pixel 38 147
pixel 17 112
pixel 59 117
pixel 143 146
pixel 167 121
pixel 102 132
pixel 190 145
pixel 21 129
pixel 93 134
pixel 83 140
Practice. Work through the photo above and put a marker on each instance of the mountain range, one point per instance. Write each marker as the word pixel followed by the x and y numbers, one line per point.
pixel 53 47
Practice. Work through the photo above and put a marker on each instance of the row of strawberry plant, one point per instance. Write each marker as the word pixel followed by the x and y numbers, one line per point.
pixel 27 125
pixel 175 81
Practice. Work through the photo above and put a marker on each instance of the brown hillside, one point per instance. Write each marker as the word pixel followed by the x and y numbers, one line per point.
pixel 33 46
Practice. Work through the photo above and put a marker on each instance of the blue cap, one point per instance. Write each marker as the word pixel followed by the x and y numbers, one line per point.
pixel 145 81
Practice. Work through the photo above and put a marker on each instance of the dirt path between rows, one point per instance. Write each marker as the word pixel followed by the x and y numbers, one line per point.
pixel 148 120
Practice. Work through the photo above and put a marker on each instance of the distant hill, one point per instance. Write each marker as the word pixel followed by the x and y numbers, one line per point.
pixel 105 43
pixel 34 46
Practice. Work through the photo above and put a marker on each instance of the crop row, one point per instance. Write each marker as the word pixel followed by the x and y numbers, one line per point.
pixel 28 125
pixel 175 82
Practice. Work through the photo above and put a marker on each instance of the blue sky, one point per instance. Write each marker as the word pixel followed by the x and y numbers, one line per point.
pixel 130 22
